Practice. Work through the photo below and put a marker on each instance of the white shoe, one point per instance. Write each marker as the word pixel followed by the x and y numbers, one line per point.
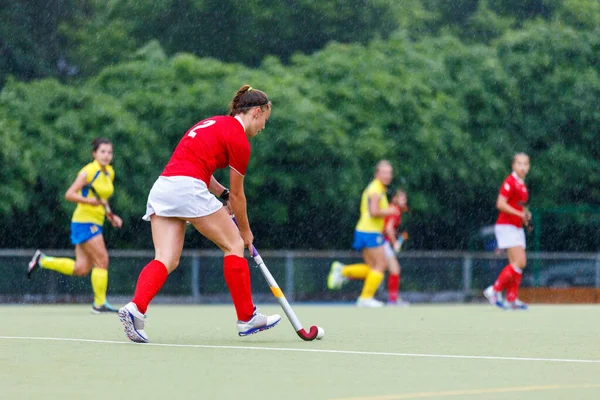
pixel 516 305
pixel 34 263
pixel 258 323
pixel 398 303
pixel 495 298
pixel 133 321
pixel 335 280
pixel 368 302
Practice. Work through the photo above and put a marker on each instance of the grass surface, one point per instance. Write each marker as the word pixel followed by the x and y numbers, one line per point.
pixel 500 355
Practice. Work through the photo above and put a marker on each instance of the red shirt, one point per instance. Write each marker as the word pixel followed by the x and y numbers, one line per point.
pixel 396 220
pixel 515 191
pixel 216 142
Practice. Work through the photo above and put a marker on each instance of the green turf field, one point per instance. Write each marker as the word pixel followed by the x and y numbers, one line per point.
pixel 423 352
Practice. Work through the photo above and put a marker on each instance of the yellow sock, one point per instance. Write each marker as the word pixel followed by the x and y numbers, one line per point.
pixel 99 285
pixel 371 284
pixel 356 271
pixel 64 266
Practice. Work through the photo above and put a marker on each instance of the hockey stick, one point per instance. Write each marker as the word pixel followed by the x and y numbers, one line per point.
pixel 90 186
pixel 315 332
pixel 401 238
pixel 529 224
pixel 109 212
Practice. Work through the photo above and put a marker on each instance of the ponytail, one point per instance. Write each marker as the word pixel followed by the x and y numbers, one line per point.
pixel 247 98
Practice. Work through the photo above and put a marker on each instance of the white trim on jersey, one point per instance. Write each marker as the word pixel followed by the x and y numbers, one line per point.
pixel 236 170
pixel 240 121
pixel 514 174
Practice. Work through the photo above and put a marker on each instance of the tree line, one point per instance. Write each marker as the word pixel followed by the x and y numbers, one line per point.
pixel 447 104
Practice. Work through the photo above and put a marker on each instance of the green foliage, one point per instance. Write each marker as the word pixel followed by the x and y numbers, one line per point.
pixel 30 46
pixel 448 99
pixel 581 14
pixel 556 71
pixel 52 127
pixel 484 25
pixel 70 39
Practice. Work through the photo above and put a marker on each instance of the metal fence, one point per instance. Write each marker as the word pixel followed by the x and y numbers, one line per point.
pixel 427 276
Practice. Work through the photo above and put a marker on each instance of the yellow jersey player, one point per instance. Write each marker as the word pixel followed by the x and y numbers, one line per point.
pixel 91 190
pixel 368 239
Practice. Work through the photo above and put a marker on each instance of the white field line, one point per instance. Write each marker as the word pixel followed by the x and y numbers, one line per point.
pixel 299 350
pixel 471 392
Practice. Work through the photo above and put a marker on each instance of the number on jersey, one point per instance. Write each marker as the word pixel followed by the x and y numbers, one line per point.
pixel 203 125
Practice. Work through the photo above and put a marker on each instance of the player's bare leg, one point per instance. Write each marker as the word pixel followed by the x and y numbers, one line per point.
pixel 220 229
pixel 168 235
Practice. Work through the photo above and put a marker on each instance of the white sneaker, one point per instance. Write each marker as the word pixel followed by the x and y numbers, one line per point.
pixel 369 302
pixel 335 280
pixel 34 263
pixel 516 305
pixel 495 298
pixel 398 303
pixel 133 321
pixel 258 323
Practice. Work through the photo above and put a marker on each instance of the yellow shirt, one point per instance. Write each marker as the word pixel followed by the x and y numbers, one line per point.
pixel 366 223
pixel 103 184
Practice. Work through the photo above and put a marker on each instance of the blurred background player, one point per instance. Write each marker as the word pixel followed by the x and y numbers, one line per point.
pixel 368 238
pixel 511 236
pixel 95 179
pixel 393 245
pixel 185 192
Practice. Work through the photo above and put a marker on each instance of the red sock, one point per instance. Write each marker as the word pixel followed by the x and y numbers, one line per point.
pixel 151 279
pixel 393 286
pixel 507 275
pixel 237 276
pixel 512 289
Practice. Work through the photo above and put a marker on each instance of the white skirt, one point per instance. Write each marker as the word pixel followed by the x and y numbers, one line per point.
pixel 182 197
pixel 509 236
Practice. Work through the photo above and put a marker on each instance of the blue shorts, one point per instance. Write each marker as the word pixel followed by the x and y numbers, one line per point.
pixel 82 232
pixel 367 240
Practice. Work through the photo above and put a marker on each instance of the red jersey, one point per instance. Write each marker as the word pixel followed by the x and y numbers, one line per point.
pixel 515 191
pixel 216 142
pixel 396 221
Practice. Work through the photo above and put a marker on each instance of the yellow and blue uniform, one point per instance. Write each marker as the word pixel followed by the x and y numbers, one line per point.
pixel 368 235
pixel 87 223
pixel 87 220
pixel 368 229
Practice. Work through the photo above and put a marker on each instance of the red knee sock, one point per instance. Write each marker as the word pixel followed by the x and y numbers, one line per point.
pixel 393 286
pixel 151 279
pixel 237 276
pixel 512 289
pixel 506 276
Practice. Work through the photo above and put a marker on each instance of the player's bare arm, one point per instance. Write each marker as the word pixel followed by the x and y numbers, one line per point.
pixel 237 201
pixel 115 220
pixel 215 187
pixel 502 205
pixel 220 191
pixel 390 231
pixel 78 184
pixel 374 209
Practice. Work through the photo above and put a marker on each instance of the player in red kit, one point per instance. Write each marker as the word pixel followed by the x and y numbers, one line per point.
pixel 392 245
pixel 511 236
pixel 186 192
